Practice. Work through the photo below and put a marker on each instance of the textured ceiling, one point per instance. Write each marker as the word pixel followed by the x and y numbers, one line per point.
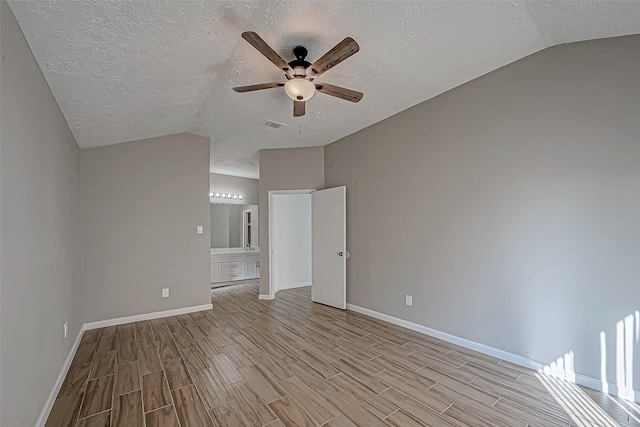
pixel 127 70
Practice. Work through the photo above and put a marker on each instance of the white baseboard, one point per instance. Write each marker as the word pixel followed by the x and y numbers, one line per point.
pixel 297 285
pixel 46 410
pixel 294 286
pixel 580 379
pixel 146 316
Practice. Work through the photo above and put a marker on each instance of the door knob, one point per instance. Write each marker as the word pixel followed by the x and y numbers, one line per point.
pixel 340 253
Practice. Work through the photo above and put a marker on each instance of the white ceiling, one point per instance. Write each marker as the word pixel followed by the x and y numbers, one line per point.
pixel 127 70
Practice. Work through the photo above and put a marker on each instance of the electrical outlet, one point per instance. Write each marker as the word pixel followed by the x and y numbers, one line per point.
pixel 199 229
pixel 408 300
pixel 66 329
pixel 165 293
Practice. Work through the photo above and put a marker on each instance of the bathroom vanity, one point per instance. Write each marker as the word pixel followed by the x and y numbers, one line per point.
pixel 231 264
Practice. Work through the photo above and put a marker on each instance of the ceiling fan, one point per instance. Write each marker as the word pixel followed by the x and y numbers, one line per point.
pixel 300 73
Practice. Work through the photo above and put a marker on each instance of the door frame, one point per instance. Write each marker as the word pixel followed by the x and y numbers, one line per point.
pixel 244 227
pixel 273 193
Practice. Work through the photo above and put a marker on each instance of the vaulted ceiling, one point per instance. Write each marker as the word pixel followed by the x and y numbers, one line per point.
pixel 127 70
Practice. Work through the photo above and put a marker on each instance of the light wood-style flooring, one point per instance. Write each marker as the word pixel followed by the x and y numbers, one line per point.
pixel 295 363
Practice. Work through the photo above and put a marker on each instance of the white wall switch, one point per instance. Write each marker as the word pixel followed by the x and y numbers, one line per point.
pixel 408 300
pixel 165 293
pixel 66 329
pixel 199 229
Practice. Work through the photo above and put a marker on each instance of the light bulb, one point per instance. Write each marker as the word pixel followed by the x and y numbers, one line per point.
pixel 216 195
pixel 235 196
pixel 240 196
pixel 210 194
pixel 300 89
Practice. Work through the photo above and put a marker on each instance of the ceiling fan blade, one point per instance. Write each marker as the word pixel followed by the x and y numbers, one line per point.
pixel 339 92
pixel 298 108
pixel 256 41
pixel 242 89
pixel 339 53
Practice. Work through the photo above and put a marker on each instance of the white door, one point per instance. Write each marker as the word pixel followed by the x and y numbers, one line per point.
pixel 329 247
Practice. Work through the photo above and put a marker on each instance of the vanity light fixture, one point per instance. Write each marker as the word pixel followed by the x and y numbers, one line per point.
pixel 226 196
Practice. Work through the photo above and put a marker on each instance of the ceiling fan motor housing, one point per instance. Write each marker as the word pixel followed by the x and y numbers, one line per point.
pixel 299 65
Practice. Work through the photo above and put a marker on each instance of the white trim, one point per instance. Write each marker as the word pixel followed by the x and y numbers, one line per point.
pixel 267 297
pixel 272 193
pixel 295 285
pixel 582 380
pixel 48 405
pixel 146 316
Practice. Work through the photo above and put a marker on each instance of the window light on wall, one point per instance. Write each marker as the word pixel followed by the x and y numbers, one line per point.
pixel 226 196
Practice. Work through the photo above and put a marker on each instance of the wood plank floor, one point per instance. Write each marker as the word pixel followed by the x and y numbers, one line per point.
pixel 294 363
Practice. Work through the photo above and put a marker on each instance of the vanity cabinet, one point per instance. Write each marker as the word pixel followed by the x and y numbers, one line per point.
pixel 231 265
pixel 214 269
pixel 252 269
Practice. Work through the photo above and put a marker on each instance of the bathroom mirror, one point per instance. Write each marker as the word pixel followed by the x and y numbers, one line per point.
pixel 234 226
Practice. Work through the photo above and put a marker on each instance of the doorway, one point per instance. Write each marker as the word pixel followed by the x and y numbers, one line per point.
pixel 307 243
pixel 290 240
pixel 247 229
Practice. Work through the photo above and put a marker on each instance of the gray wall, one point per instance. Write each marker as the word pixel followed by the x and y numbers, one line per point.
pixel 284 169
pixel 508 207
pixel 248 187
pixel 141 203
pixel 40 236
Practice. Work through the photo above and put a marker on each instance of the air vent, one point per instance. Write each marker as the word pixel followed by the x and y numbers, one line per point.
pixel 274 125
